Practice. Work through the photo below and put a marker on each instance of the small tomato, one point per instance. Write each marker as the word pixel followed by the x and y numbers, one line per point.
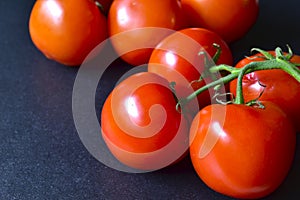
pixel 140 123
pixel 67 31
pixel 177 59
pixel 128 20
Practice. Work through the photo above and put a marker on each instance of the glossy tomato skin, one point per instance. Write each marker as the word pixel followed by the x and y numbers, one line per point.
pixel 66 31
pixel 177 59
pixel 131 16
pixel 140 124
pixel 230 19
pixel 277 86
pixel 241 151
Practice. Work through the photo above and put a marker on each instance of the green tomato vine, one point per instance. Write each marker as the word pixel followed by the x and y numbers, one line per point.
pixel 279 61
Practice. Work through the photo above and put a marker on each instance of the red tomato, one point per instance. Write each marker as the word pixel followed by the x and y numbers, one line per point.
pixel 230 19
pixel 66 31
pixel 277 86
pixel 177 59
pixel 242 151
pixel 129 17
pixel 140 124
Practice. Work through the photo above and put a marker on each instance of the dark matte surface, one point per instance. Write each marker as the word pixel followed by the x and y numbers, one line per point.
pixel 41 155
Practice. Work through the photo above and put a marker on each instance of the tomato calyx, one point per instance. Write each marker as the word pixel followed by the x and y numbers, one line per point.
pixel 279 61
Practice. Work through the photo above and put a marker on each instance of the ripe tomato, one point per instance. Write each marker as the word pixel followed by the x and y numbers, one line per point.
pixel 230 19
pixel 241 151
pixel 66 31
pixel 177 59
pixel 277 86
pixel 130 17
pixel 140 124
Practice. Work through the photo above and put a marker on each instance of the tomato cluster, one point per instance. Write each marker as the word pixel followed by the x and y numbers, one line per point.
pixel 67 32
pixel 242 146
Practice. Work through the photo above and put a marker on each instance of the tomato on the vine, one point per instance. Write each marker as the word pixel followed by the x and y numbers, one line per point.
pixel 128 20
pixel 140 123
pixel 177 59
pixel 230 19
pixel 273 85
pixel 67 31
pixel 242 151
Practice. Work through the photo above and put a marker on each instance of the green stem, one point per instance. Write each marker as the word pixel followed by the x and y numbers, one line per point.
pixel 277 63
pixel 290 68
pixel 223 67
pixel 239 99
pixel 225 79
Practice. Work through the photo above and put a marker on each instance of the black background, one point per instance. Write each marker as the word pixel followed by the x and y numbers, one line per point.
pixel 41 155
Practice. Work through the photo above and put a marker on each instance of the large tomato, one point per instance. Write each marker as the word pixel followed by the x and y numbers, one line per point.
pixel 230 19
pixel 177 59
pixel 66 31
pixel 275 85
pixel 130 17
pixel 241 151
pixel 140 123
